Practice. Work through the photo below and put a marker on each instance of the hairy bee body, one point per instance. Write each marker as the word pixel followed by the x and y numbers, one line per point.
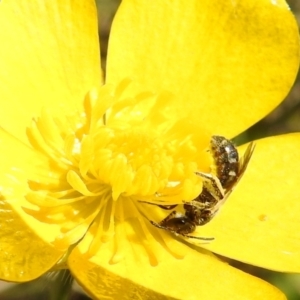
pixel 216 189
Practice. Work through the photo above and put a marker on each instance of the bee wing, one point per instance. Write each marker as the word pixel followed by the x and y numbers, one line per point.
pixel 245 160
pixel 243 163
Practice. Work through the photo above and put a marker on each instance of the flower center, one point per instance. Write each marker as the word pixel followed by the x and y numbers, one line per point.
pixel 115 163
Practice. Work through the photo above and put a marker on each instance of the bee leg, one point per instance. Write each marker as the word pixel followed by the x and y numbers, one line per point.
pixel 167 207
pixel 213 185
pixel 199 238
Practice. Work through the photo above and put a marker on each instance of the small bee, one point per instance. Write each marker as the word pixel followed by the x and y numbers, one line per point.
pixel 216 190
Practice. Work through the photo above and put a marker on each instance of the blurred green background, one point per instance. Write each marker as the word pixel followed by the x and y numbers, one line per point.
pixel 284 119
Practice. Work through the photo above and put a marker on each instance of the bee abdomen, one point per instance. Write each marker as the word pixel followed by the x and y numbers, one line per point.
pixel 226 159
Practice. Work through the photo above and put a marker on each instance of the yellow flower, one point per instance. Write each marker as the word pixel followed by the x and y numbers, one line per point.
pixel 80 158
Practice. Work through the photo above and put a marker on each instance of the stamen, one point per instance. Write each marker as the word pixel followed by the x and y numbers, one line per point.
pixel 77 184
pixel 42 199
pixel 105 161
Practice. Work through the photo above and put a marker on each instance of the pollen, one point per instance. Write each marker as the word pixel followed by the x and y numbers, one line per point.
pixel 112 163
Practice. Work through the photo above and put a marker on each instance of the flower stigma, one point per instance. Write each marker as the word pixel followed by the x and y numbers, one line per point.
pixel 115 163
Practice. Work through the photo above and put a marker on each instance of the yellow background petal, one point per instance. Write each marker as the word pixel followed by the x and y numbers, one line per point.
pixel 228 62
pixel 260 223
pixel 197 276
pixel 23 254
pixel 49 55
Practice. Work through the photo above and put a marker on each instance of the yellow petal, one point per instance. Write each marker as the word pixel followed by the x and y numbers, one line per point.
pixel 260 223
pixel 49 56
pixel 23 254
pixel 198 275
pixel 228 62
